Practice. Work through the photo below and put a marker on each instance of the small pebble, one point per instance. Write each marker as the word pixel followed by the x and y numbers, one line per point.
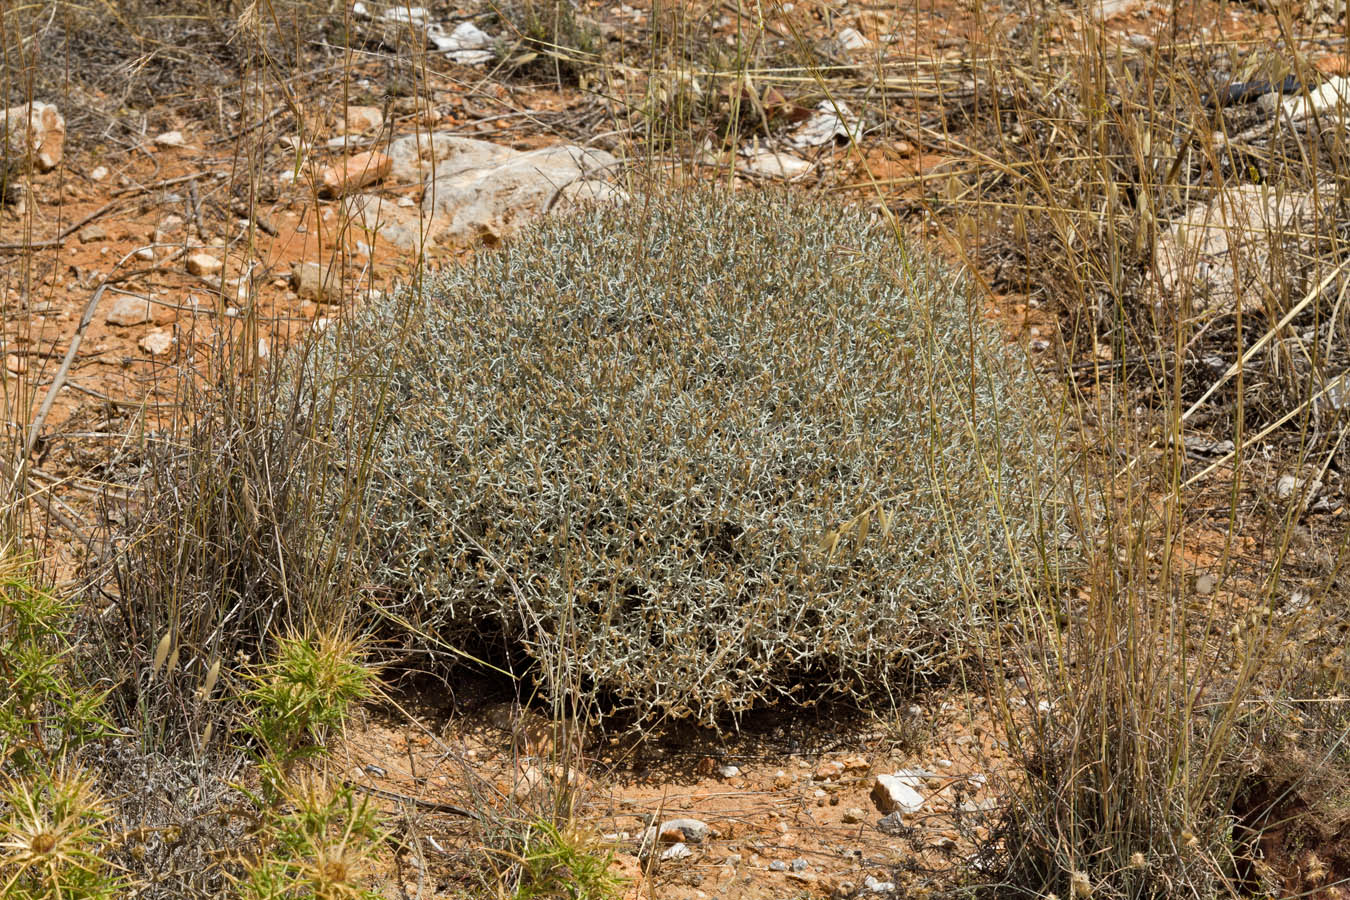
pixel 778 866
pixel 800 865
pixel 878 887
pixel 831 769
pixel 684 829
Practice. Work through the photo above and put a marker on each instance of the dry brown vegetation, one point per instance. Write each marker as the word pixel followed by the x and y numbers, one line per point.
pixel 1163 672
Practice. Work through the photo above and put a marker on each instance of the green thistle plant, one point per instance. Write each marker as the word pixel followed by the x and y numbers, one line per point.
pixel 317 838
pixel 53 840
pixel 562 862
pixel 304 694
pixel 321 844
pixel 53 824
pixel 44 715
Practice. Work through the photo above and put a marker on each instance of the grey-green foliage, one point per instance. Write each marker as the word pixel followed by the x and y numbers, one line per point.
pixel 702 452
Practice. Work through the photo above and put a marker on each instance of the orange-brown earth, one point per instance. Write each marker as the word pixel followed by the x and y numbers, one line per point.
pixel 223 193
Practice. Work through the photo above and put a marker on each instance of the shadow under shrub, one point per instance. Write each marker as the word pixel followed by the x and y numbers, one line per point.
pixel 701 453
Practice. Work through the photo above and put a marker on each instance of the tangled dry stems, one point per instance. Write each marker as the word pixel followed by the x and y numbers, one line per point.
pixel 1103 155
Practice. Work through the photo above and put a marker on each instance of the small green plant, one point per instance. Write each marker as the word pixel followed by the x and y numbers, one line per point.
pixel 53 824
pixel 54 839
pixel 552 861
pixel 320 840
pixel 554 38
pixel 317 838
pixel 44 713
pixel 303 696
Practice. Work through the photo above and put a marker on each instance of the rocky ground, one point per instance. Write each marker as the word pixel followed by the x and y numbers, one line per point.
pixel 832 811
pixel 209 226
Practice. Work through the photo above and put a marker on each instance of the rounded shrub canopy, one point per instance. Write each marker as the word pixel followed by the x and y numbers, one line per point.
pixel 702 452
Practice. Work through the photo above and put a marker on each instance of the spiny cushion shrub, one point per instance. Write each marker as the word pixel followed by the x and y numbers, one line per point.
pixel 699 453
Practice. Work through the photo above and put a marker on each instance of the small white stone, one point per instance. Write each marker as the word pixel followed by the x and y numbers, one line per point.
pixel 99 173
pixel 692 830
pixel 129 310
pixel 1332 95
pixel 896 793
pixel 170 139
pixel 878 887
pixel 676 851
pixel 831 121
pixel 768 164
pixel 362 118
pixel 465 36
pixel 1288 486
pixel 203 264
pixel 157 342
pixel 729 771
pixel 850 39
pixel 467 44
